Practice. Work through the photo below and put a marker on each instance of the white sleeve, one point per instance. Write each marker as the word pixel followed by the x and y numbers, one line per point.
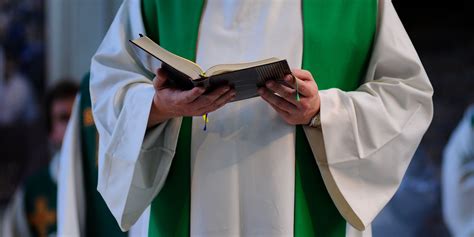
pixel 133 162
pixel 458 178
pixel 369 136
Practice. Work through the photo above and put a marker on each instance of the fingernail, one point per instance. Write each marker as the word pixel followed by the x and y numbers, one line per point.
pixel 270 83
pixel 288 78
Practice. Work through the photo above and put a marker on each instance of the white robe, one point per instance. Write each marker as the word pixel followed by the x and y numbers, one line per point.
pixel 363 149
pixel 458 178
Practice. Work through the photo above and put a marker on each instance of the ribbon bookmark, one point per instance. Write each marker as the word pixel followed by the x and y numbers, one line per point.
pixel 297 91
pixel 206 120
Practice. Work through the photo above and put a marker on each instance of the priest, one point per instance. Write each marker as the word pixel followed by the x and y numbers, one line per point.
pixel 458 178
pixel 269 166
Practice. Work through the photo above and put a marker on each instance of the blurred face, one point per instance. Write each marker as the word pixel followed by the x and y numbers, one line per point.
pixel 60 113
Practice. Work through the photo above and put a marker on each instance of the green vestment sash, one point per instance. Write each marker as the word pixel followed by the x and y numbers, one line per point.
pixel 337 42
pixel 40 201
pixel 99 219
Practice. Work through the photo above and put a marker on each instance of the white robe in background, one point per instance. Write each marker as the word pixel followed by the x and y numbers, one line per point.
pixel 458 178
pixel 363 149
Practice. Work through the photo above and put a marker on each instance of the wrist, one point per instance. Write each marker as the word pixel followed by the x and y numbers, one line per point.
pixel 157 116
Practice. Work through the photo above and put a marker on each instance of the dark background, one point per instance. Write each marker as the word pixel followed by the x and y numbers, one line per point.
pixel 443 34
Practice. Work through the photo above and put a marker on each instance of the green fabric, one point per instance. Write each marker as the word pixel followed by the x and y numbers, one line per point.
pixel 40 202
pixel 337 42
pixel 472 121
pixel 99 219
pixel 315 213
pixel 179 25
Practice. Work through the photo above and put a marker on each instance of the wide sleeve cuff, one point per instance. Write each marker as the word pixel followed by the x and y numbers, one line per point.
pixel 133 161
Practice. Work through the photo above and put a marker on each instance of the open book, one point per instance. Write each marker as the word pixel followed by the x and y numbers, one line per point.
pixel 245 78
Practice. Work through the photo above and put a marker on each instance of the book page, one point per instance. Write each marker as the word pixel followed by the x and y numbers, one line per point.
pixel 222 68
pixel 181 64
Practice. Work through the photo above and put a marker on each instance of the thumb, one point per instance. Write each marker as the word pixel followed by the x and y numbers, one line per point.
pixel 160 80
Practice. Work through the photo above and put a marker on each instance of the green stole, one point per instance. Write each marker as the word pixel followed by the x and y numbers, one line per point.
pixel 99 219
pixel 337 43
pixel 40 201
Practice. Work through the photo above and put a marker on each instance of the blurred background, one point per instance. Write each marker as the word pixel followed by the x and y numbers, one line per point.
pixel 43 41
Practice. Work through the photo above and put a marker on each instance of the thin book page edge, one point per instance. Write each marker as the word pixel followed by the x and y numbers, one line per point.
pixel 184 65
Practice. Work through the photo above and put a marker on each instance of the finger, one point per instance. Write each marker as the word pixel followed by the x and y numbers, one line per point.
pixel 283 114
pixel 223 100
pixel 206 100
pixel 189 96
pixel 283 91
pixel 218 92
pixel 305 88
pixel 277 101
pixel 303 75
pixel 160 80
pixel 227 97
pixel 289 81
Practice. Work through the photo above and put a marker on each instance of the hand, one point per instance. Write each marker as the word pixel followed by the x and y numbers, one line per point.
pixel 283 98
pixel 170 102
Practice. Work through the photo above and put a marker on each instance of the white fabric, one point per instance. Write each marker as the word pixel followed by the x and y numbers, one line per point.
pixel 250 168
pixel 54 167
pixel 71 197
pixel 367 139
pixel 14 221
pixel 140 228
pixel 122 93
pixel 353 232
pixel 458 178
pixel 70 210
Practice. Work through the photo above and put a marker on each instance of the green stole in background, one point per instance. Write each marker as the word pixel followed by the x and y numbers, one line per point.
pixel 40 202
pixel 99 219
pixel 337 43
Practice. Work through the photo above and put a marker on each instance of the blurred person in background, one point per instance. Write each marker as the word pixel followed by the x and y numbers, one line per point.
pixel 17 101
pixel 21 31
pixel 58 109
pixel 32 211
pixel 458 178
pixel 409 213
pixel 32 56
pixel 33 53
